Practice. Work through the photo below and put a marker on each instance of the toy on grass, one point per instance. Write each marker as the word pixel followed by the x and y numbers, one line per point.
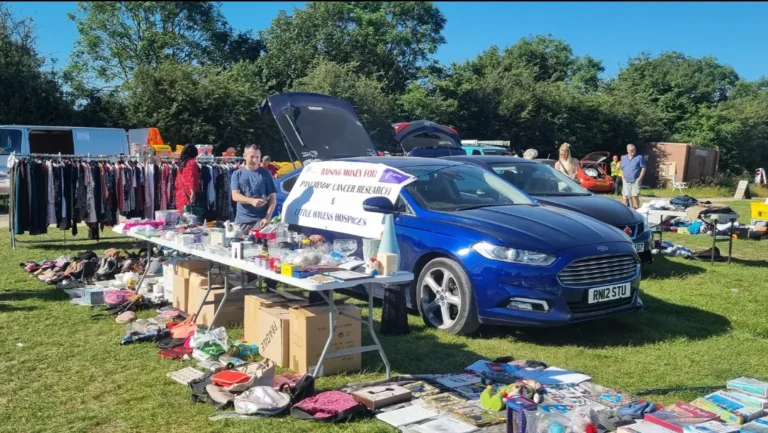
pixel 523 388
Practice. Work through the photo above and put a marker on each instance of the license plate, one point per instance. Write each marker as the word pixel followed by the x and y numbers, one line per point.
pixel 639 248
pixel 603 294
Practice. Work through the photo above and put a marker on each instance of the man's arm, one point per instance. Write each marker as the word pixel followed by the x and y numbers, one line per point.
pixel 240 198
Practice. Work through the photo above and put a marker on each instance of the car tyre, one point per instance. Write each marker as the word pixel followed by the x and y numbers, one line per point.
pixel 444 288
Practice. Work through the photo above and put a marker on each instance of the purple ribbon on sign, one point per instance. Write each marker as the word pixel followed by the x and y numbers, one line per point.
pixel 393 176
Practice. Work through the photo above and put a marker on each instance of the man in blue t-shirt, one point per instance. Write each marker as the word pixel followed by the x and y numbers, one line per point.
pixel 632 172
pixel 253 189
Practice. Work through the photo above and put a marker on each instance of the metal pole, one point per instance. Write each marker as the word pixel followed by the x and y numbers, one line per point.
pixel 373 333
pixel 331 332
pixel 205 298
pixel 224 299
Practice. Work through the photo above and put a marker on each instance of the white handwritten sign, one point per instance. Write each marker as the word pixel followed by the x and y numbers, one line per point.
pixel 329 195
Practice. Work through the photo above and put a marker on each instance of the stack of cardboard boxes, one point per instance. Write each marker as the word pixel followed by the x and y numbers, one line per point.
pixel 293 334
pixel 287 330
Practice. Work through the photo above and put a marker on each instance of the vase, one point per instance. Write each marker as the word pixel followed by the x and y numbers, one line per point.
pixel 389 239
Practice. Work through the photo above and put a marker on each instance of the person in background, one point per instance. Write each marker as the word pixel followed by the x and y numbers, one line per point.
pixel 530 154
pixel 632 172
pixel 188 180
pixel 616 174
pixel 566 164
pixel 266 162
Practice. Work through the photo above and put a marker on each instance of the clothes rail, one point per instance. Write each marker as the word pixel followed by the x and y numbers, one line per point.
pixel 59 156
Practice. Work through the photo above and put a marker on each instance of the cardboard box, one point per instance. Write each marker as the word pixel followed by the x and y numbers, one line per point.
pixel 231 312
pixel 254 302
pixel 309 332
pixel 181 293
pixel 186 268
pixel 273 335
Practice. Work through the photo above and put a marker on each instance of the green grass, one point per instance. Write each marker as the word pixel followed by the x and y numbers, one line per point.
pixel 702 326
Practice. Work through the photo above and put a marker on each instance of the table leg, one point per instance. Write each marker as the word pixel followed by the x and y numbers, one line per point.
pixel 714 241
pixel 223 299
pixel 146 267
pixel 730 243
pixel 205 298
pixel 373 333
pixel 332 331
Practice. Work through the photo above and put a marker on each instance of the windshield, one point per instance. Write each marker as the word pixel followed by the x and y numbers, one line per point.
pixel 460 187
pixel 539 179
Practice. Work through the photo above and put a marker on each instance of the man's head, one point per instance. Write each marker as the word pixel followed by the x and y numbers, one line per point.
pixel 252 156
pixel 530 154
pixel 265 161
pixel 631 150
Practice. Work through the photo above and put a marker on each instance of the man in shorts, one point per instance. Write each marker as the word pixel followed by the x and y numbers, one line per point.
pixel 632 172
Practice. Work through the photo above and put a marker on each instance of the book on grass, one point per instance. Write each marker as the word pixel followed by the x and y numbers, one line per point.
pixel 711 427
pixel 643 427
pixel 750 386
pixel 680 415
pixel 445 424
pixel 759 425
pixel 478 415
pixel 727 409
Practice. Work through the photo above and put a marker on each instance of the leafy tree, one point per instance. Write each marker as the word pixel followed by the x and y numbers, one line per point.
pixel 202 104
pixel 390 41
pixel 30 93
pixel 374 107
pixel 117 38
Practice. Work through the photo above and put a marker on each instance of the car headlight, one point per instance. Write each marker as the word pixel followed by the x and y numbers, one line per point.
pixel 512 255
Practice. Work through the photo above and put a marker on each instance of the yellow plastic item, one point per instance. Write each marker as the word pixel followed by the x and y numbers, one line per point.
pixel 284 168
pixel 162 150
pixel 759 210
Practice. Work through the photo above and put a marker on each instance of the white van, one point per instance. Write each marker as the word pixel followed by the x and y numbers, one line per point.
pixel 67 140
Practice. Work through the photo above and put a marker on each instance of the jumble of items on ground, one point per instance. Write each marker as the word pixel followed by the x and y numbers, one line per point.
pixel 281 330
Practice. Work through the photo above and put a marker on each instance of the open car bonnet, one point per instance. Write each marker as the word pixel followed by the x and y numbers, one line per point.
pixel 319 126
pixel 421 134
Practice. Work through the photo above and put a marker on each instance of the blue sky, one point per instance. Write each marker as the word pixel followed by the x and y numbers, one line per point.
pixel 733 32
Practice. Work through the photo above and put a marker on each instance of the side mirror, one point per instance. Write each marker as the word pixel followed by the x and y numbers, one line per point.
pixel 379 205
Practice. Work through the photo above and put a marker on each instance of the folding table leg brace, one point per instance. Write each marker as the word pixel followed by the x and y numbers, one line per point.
pixel 332 314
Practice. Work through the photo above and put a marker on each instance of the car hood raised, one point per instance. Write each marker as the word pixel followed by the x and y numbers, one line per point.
pixel 604 209
pixel 543 229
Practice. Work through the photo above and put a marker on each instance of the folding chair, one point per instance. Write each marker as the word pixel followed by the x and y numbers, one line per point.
pixel 678 185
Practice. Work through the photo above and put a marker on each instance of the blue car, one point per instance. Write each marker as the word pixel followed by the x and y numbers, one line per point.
pixel 483 251
pixel 550 187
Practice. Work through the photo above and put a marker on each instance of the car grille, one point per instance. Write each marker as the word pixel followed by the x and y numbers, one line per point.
pixel 595 271
pixel 582 307
pixel 635 229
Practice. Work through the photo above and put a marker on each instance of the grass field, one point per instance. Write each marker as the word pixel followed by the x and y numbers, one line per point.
pixel 61 370
pixel 702 192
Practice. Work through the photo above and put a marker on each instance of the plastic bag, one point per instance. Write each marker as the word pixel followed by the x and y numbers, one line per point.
pixel 211 342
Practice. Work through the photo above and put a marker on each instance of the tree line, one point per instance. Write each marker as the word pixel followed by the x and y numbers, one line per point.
pixel 181 67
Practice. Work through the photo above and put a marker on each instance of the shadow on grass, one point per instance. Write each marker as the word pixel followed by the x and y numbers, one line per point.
pixel 96 247
pixel 659 321
pixel 5 308
pixel 51 294
pixel 751 263
pixel 663 268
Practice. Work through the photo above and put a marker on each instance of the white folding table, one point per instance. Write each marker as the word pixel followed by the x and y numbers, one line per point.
pixel 398 279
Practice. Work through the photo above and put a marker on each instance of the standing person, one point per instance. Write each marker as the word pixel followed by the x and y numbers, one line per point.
pixel 253 189
pixel 266 162
pixel 632 172
pixel 530 154
pixel 188 179
pixel 566 164
pixel 616 174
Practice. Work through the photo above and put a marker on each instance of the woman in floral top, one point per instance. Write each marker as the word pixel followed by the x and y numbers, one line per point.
pixel 188 180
